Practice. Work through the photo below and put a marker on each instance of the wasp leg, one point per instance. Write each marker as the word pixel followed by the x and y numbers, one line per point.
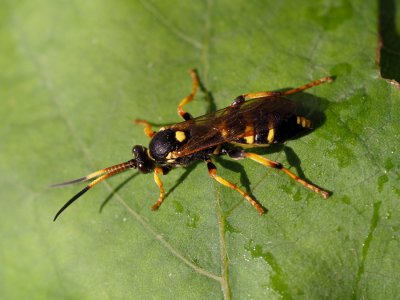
pixel 239 100
pixel 238 154
pixel 147 127
pixel 157 179
pixel 212 171
pixel 248 96
pixel 189 97
pixel 327 79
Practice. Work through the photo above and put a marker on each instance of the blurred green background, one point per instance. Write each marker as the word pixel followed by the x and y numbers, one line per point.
pixel 75 73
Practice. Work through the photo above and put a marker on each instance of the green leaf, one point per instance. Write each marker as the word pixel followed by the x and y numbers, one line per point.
pixel 74 75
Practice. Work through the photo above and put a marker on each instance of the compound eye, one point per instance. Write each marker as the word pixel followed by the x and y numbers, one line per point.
pixel 137 150
pixel 144 163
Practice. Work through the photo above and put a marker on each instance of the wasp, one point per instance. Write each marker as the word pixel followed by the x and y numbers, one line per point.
pixel 253 119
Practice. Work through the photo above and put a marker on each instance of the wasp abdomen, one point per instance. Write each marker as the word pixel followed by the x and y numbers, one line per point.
pixel 291 128
pixel 274 130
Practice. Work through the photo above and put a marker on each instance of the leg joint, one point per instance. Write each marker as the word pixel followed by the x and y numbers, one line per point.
pixel 236 153
pixel 186 116
pixel 238 100
pixel 212 169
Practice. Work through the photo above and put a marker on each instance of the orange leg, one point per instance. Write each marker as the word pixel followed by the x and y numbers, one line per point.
pixel 289 92
pixel 212 171
pixel 189 97
pixel 269 163
pixel 184 114
pixel 160 186
pixel 147 127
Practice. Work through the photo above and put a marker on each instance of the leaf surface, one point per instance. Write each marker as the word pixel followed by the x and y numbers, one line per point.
pixel 74 75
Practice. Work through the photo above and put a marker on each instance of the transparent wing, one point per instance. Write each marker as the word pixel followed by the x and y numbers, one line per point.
pixel 232 123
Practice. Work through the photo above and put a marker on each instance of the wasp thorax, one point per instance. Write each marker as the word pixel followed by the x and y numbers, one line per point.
pixel 165 142
pixel 143 162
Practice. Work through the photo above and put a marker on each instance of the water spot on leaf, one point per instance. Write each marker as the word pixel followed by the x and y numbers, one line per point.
pixel 332 15
pixel 381 182
pixel 193 219
pixel 277 279
pixel 341 69
pixel 230 228
pixel 346 200
pixel 342 154
pixel 290 189
pixel 297 196
pixel 351 115
pixel 388 164
pixel 368 240
pixel 178 207
pixel 196 261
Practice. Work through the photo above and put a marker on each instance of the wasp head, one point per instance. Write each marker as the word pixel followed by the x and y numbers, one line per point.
pixel 142 161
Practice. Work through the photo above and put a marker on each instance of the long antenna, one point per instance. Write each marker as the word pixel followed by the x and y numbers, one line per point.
pixel 104 173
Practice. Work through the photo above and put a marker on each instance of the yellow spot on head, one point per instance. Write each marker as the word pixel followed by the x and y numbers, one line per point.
pixel 180 136
pixel 271 135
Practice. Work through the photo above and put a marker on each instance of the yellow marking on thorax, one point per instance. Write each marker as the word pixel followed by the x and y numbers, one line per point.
pixel 171 155
pixel 180 136
pixel 271 135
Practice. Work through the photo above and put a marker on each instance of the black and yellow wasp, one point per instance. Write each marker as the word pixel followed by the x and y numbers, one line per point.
pixel 254 119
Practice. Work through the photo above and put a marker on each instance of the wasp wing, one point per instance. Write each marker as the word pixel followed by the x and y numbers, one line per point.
pixel 232 123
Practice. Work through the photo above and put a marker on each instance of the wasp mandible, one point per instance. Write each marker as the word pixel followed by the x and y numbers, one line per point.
pixel 253 119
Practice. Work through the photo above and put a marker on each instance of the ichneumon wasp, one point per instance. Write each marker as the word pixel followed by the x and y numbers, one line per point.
pixel 253 119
